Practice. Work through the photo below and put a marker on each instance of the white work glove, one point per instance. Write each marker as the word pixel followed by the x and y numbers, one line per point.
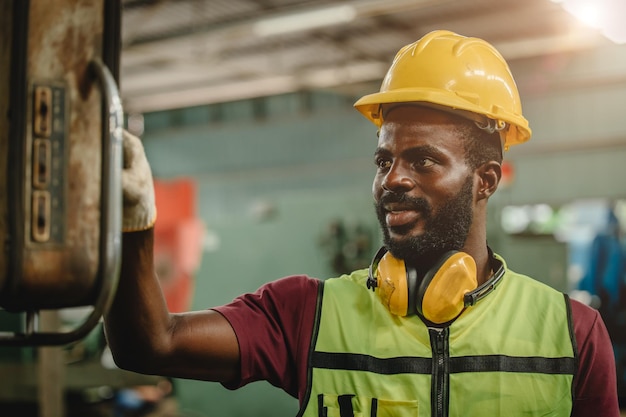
pixel 137 187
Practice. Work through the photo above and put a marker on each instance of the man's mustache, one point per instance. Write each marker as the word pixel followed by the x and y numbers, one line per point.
pixel 406 201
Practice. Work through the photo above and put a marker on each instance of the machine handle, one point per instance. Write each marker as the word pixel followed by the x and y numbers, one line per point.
pixel 110 226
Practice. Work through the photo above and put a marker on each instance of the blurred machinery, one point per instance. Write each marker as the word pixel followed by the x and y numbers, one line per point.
pixel 60 162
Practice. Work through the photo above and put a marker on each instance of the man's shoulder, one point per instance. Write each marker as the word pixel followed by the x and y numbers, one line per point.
pixel 584 316
pixel 527 280
pixel 358 277
pixel 290 287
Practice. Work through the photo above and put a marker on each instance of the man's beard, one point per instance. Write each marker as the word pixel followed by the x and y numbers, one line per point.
pixel 445 230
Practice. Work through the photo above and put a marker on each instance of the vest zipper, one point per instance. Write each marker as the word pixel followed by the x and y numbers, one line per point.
pixel 440 383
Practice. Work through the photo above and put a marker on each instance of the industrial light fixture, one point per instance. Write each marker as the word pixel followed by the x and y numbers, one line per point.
pixel 305 20
pixel 333 15
pixel 605 16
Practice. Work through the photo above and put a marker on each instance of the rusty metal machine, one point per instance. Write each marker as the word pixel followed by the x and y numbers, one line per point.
pixel 60 162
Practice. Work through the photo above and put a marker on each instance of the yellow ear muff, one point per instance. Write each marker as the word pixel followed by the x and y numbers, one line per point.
pixel 392 285
pixel 440 297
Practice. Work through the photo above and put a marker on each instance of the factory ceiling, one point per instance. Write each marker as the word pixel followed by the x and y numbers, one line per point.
pixel 193 52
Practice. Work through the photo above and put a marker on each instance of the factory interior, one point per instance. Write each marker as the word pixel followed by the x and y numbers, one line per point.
pixel 263 168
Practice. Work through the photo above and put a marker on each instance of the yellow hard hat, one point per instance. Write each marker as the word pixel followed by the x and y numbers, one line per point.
pixel 455 73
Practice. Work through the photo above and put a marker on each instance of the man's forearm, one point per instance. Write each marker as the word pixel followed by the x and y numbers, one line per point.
pixel 138 316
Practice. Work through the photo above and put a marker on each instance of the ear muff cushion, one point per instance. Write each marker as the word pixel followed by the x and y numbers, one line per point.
pixel 440 297
pixel 392 286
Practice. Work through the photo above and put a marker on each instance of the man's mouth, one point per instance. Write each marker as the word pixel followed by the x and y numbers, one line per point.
pixel 398 217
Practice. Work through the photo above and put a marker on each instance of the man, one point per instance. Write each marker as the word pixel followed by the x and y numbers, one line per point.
pixel 438 326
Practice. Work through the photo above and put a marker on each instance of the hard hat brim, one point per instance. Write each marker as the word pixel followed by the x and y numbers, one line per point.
pixel 371 107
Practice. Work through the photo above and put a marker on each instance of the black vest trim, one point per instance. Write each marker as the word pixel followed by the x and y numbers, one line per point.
pixel 572 336
pixel 314 333
pixel 503 363
pixel 420 365
pixel 359 362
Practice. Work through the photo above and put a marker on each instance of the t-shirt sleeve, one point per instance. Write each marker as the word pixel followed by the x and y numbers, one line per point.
pixel 273 327
pixel 595 385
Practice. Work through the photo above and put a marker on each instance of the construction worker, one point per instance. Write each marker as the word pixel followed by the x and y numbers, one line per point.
pixel 438 325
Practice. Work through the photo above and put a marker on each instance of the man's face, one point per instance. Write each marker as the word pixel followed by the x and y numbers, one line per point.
pixel 423 188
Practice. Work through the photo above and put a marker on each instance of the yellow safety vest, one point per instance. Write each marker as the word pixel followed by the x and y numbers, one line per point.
pixel 511 354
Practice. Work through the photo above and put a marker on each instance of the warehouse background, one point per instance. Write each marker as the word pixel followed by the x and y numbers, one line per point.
pixel 254 113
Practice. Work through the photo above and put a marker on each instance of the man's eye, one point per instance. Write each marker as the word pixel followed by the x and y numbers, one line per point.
pixel 383 163
pixel 424 163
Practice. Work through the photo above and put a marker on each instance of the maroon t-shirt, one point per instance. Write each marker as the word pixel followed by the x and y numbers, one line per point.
pixel 274 327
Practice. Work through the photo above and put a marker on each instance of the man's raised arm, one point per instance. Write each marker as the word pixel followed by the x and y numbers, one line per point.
pixel 143 335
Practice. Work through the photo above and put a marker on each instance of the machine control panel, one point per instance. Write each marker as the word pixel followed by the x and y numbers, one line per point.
pixel 47 223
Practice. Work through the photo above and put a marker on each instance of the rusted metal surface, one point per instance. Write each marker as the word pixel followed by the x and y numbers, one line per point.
pixel 64 36
pixel 6 28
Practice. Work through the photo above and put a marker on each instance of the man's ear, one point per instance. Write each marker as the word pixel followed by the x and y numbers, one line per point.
pixel 488 175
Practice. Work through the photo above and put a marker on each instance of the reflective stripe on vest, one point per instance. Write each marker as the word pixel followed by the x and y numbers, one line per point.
pixel 511 354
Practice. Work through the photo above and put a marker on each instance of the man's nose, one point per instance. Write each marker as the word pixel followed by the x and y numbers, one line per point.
pixel 398 179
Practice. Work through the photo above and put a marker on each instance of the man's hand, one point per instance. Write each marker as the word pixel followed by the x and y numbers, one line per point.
pixel 137 187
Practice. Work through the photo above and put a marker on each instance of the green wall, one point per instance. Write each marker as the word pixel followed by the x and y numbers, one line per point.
pixel 312 163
